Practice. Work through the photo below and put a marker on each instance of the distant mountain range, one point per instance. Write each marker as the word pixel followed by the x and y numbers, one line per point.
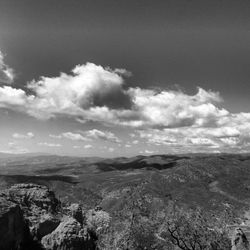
pixel 11 155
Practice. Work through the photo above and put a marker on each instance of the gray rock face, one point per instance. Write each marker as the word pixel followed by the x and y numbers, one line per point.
pixel 76 212
pixel 31 218
pixel 30 195
pixel 39 206
pixel 44 225
pixel 13 228
pixel 239 240
pixel 69 235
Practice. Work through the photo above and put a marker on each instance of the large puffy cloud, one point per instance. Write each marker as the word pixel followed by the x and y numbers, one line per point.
pixel 92 92
pixel 90 89
pixel 6 73
pixel 14 98
pixel 175 108
pixel 95 93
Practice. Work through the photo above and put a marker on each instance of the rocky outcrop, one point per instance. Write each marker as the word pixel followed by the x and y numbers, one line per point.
pixel 68 235
pixel 13 228
pixel 98 220
pixel 45 224
pixel 32 195
pixel 239 240
pixel 39 205
pixel 31 217
pixel 76 212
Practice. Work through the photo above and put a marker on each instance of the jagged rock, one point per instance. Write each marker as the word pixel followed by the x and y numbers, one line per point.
pixel 28 195
pixel 239 240
pixel 46 224
pixel 31 218
pixel 76 212
pixel 13 228
pixel 39 206
pixel 69 235
pixel 97 220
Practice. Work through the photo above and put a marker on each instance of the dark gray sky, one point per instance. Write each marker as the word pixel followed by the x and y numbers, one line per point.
pixel 179 44
pixel 163 43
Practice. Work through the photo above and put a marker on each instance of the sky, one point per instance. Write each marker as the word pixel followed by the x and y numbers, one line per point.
pixel 121 78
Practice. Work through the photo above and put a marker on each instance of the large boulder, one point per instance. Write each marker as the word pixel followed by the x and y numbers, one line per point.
pixel 14 233
pixel 69 235
pixel 239 240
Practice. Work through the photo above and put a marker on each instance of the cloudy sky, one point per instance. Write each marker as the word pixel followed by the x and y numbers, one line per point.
pixel 120 78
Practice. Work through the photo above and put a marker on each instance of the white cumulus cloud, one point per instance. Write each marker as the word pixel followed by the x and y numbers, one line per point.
pixel 164 117
pixel 96 93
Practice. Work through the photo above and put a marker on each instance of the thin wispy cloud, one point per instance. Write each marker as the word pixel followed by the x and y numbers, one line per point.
pixel 15 148
pixel 70 136
pixel 7 74
pixel 111 149
pixel 28 135
pixel 48 144
pixel 89 135
pixel 102 135
pixel 135 141
pixel 146 151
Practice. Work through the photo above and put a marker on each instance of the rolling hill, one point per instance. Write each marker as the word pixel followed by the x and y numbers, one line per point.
pixel 216 183
pixel 212 181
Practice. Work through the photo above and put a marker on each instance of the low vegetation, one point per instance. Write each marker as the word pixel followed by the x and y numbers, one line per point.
pixel 156 202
